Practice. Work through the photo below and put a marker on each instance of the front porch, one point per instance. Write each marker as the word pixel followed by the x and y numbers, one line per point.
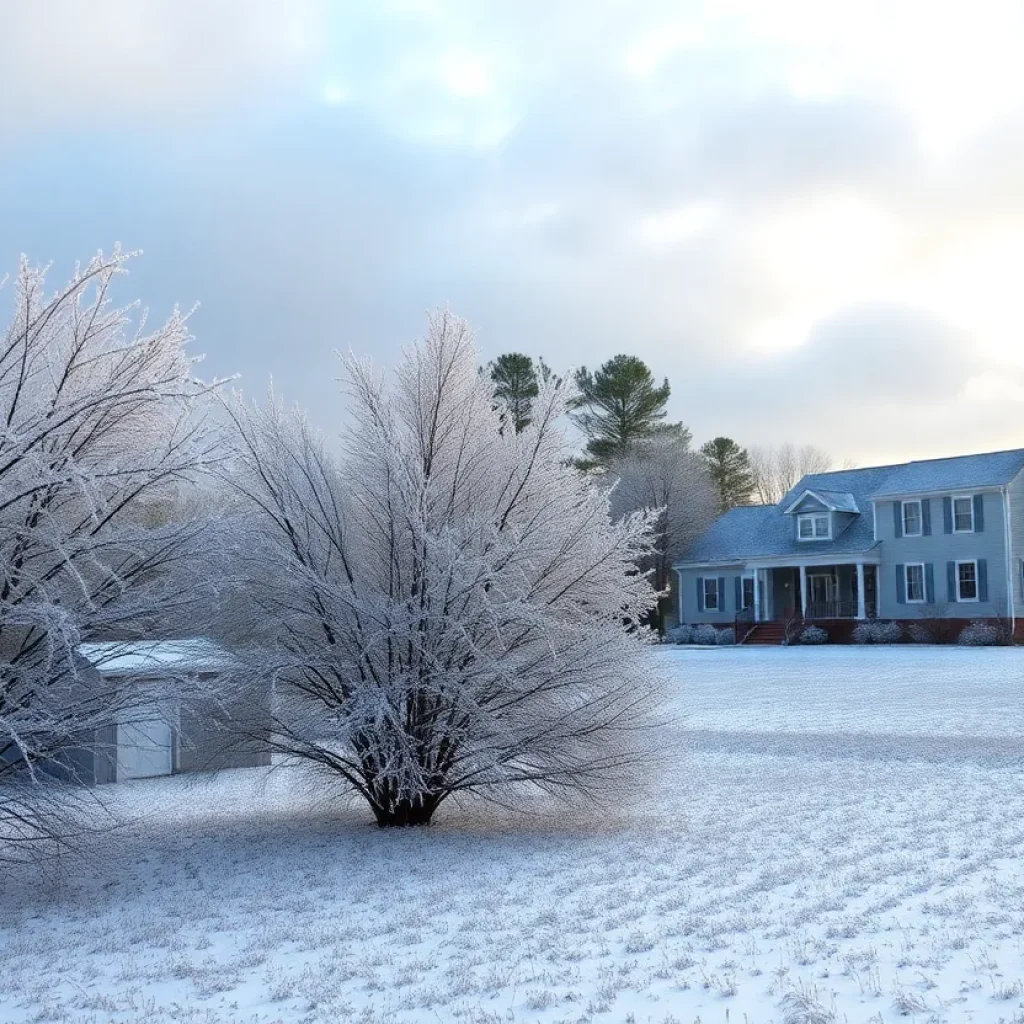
pixel 781 593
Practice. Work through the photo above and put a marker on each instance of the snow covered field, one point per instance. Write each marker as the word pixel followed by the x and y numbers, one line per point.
pixel 841 840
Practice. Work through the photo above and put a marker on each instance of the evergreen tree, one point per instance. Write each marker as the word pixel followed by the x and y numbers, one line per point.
pixel 515 387
pixel 618 404
pixel 729 466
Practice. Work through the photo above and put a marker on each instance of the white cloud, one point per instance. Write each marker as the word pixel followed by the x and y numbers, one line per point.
pixel 679 225
pixel 465 74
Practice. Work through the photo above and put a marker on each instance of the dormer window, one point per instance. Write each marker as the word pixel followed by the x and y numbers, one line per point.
pixel 912 519
pixel 816 526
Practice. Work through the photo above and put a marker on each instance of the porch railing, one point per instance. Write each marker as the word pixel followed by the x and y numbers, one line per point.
pixel 831 610
pixel 743 625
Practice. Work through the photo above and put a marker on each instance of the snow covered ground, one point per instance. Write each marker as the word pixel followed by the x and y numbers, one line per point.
pixel 841 840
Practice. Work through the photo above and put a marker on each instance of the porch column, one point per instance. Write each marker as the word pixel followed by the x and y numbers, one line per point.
pixel 861 612
pixel 803 591
pixel 757 595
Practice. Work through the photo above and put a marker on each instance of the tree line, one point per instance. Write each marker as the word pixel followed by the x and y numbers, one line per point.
pixel 621 410
pixel 621 406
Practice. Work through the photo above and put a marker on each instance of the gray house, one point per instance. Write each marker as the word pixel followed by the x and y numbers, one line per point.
pixel 935 539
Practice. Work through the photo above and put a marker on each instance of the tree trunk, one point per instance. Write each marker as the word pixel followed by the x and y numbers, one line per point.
pixel 406 812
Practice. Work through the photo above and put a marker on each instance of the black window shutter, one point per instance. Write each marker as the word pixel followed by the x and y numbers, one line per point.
pixel 947 514
pixel 929 583
pixel 982 580
pixel 700 593
pixel 901 585
pixel 950 579
pixel 979 513
pixel 926 517
pixel 897 518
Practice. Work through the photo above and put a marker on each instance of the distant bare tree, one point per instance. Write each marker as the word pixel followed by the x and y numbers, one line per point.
pixel 777 468
pixel 662 473
pixel 447 606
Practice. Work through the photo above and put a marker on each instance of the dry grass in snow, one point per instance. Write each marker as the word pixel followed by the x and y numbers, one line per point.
pixel 841 841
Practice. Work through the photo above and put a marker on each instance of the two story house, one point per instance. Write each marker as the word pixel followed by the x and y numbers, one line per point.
pixel 937 539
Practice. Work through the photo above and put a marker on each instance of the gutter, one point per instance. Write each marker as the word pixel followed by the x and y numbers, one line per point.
pixel 1008 534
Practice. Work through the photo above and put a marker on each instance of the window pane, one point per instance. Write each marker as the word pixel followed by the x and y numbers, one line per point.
pixel 821 526
pixel 748 592
pixel 915 583
pixel 806 527
pixel 912 518
pixel 711 594
pixel 968 581
pixel 963 515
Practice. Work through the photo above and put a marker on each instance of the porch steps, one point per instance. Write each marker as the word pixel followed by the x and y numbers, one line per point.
pixel 767 633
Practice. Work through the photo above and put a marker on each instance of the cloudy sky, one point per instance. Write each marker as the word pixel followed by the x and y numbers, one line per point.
pixel 808 215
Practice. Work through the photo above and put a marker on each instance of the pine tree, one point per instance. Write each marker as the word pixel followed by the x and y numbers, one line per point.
pixel 729 466
pixel 516 385
pixel 617 405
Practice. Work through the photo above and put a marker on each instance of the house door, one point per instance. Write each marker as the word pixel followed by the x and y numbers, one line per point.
pixel 144 750
pixel 821 588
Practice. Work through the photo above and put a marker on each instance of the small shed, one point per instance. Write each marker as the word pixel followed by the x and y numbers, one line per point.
pixel 167 736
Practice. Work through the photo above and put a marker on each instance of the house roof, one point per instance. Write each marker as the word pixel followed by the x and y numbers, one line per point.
pixel 766 531
pixel 959 473
pixel 115 658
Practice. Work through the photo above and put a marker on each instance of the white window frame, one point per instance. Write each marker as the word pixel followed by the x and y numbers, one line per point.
pixel 906 583
pixel 718 597
pixel 812 518
pixel 959 597
pixel 920 517
pixel 969 498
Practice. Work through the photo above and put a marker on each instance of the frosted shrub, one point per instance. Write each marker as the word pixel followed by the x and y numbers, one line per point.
pixel 444 606
pixel 980 634
pixel 726 637
pixel 920 634
pixel 877 633
pixel 705 634
pixel 814 635
pixel 679 635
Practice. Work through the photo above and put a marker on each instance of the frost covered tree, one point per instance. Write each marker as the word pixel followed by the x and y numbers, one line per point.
pixel 101 427
pixel 662 474
pixel 445 607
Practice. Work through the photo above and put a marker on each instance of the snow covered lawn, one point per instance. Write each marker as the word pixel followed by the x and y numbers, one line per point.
pixel 841 840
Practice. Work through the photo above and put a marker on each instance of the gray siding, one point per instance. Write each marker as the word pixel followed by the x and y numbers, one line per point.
pixel 937 550
pixel 219 735
pixel 689 610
